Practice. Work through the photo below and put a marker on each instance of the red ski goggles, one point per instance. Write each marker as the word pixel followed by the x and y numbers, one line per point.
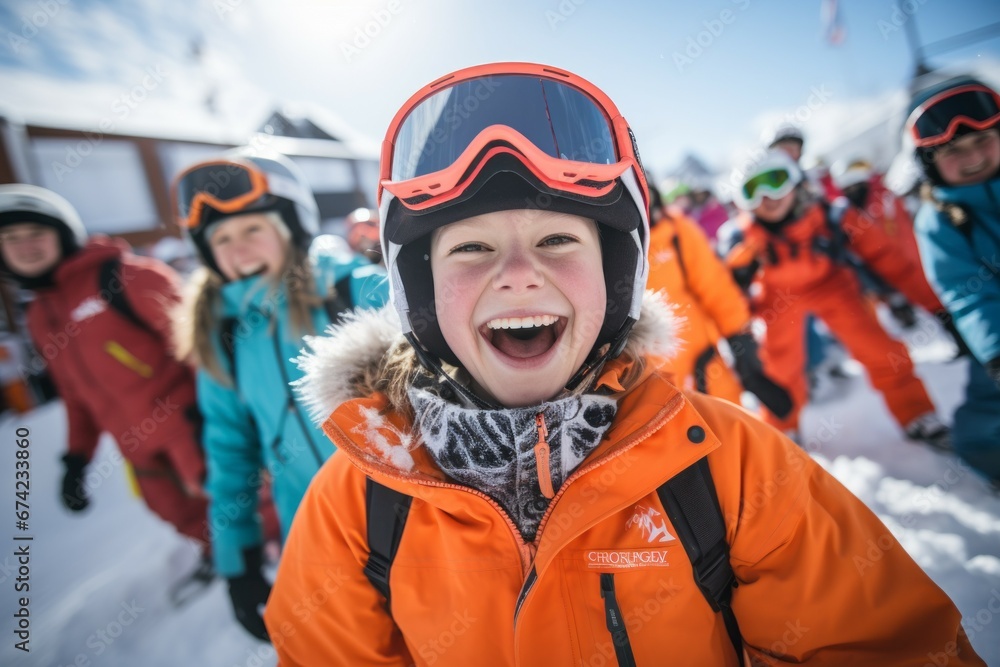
pixel 935 121
pixel 225 185
pixel 562 128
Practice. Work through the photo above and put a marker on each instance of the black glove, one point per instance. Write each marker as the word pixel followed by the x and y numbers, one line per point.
pixel 773 396
pixel 248 592
pixel 744 275
pixel 993 368
pixel 948 322
pixel 745 357
pixel 902 310
pixel 73 495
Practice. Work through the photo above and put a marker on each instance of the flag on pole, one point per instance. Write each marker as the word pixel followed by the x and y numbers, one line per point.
pixel 833 26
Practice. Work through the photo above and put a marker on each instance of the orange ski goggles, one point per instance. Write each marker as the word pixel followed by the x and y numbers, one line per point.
pixel 935 121
pixel 562 128
pixel 228 186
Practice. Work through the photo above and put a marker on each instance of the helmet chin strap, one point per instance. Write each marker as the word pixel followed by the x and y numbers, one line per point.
pixel 597 360
pixel 589 369
pixel 433 364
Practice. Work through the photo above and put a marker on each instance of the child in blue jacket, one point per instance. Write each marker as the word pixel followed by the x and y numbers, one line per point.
pixel 956 129
pixel 267 282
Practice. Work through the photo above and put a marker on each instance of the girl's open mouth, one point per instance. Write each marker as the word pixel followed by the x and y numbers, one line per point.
pixel 250 273
pixel 524 337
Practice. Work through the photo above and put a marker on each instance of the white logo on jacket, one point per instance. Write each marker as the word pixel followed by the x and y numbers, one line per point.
pixel 644 518
pixel 89 307
pixel 662 257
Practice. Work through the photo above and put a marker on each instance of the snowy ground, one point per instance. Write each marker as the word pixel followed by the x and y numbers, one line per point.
pixel 98 581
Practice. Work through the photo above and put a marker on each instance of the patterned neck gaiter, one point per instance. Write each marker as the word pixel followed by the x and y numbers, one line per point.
pixel 496 451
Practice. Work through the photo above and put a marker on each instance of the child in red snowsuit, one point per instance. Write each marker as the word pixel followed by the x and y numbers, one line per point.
pixel 100 319
pixel 880 231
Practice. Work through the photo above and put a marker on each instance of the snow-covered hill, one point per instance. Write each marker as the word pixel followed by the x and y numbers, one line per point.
pixel 98 580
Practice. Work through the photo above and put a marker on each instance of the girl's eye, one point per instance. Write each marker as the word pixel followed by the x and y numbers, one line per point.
pixel 557 239
pixel 984 139
pixel 945 153
pixel 468 247
pixel 219 240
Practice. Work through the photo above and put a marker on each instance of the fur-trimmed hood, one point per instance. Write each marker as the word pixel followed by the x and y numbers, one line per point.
pixel 343 364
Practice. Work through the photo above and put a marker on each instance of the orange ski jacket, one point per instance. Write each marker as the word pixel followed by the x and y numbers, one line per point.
pixel 821 580
pixel 792 260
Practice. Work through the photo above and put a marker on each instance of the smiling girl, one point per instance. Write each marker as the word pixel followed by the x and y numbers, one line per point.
pixel 956 129
pixel 514 480
pixel 266 283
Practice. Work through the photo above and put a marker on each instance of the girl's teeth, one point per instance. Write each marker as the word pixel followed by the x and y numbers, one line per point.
pixel 522 322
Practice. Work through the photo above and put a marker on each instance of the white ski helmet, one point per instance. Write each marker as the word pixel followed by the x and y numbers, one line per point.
pixel 21 202
pixel 852 171
pixel 785 132
pixel 774 176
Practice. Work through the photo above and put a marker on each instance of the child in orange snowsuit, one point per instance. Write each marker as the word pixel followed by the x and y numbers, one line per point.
pixel 793 255
pixel 708 306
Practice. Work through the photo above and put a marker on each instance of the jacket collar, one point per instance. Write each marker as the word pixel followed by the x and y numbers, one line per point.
pixel 625 467
pixel 255 293
pixel 980 196
pixel 258 293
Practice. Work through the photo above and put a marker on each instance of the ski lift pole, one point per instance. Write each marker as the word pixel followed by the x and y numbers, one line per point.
pixel 913 40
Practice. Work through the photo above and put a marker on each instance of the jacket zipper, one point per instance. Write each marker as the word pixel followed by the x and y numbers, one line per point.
pixel 542 458
pixel 616 624
pixel 659 421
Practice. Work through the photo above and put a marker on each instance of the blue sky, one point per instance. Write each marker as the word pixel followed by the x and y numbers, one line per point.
pixel 765 59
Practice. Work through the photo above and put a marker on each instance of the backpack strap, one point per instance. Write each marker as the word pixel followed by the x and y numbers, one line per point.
pixel 836 246
pixel 701 363
pixel 387 511
pixel 114 296
pixel 677 251
pixel 835 212
pixel 693 507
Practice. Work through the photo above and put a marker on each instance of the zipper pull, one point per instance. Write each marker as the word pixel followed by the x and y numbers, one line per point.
pixel 542 458
pixel 616 624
